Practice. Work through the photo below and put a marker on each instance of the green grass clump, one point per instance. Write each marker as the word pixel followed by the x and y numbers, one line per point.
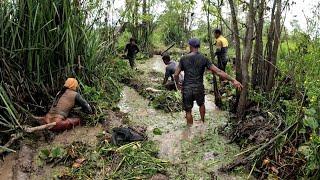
pixel 169 101
pixel 136 160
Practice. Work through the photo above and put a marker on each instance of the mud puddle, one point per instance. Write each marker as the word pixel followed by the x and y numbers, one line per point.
pixel 37 170
pixel 195 153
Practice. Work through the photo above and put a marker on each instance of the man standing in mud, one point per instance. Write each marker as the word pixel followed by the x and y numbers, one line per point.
pixel 194 65
pixel 131 49
pixel 221 50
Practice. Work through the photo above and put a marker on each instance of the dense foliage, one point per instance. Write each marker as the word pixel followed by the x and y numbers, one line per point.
pixel 277 113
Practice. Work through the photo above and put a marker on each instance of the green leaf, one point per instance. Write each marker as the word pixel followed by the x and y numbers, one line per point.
pixel 57 152
pixel 311 122
pixel 44 154
pixel 157 131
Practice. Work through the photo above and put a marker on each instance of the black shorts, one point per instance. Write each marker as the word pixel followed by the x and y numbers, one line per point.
pixel 170 86
pixel 189 95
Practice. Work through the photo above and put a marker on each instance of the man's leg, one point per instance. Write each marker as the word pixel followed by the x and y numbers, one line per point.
pixel 220 65
pixel 131 61
pixel 189 118
pixel 202 110
pixel 224 60
pixel 187 98
pixel 66 124
pixel 199 94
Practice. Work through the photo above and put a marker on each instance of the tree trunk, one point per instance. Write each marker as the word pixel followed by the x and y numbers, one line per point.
pixel 220 2
pixel 217 96
pixel 269 47
pixel 247 49
pixel 135 19
pixel 145 25
pixel 236 40
pixel 258 61
pixel 273 60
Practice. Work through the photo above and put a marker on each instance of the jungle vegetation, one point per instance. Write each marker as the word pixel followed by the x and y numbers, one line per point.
pixel 275 118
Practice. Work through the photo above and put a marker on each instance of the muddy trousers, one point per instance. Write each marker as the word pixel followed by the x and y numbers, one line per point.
pixel 68 123
pixel 61 123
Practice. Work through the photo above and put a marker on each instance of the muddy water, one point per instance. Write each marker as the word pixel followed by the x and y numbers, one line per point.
pixel 6 167
pixel 39 171
pixel 195 153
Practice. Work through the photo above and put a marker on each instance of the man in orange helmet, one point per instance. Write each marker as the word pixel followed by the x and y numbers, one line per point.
pixel 63 103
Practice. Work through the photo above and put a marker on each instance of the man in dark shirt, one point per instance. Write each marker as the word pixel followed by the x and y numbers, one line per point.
pixel 131 49
pixel 194 65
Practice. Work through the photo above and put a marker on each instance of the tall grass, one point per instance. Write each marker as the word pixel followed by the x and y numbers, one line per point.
pixel 42 36
pixel 40 43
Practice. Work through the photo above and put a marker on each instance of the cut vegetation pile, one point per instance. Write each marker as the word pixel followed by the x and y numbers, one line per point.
pixel 169 101
pixel 137 160
pixel 272 138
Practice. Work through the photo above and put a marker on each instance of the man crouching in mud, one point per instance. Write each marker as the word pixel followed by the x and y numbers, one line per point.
pixel 64 102
pixel 171 67
pixel 194 65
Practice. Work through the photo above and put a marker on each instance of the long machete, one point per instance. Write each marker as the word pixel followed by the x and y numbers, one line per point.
pixel 168 49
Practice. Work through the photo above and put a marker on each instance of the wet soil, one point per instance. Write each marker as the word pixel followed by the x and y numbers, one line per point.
pixel 28 160
pixel 195 153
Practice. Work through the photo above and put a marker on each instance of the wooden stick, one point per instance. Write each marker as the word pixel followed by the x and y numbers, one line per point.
pixel 150 89
pixel 5 147
pixel 42 127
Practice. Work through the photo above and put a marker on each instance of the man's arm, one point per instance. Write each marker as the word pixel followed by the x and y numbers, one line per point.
pixel 165 80
pixel 224 75
pixel 167 74
pixel 84 104
pixel 176 76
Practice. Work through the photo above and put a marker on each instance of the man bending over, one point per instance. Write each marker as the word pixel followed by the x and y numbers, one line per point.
pixel 171 67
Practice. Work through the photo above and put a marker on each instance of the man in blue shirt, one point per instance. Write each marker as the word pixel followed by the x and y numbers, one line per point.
pixel 171 67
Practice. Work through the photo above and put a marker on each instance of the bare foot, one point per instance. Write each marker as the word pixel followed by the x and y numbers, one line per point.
pixel 186 133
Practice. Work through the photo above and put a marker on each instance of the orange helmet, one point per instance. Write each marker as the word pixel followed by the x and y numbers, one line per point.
pixel 71 83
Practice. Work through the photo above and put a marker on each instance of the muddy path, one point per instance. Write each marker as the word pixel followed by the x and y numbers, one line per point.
pixel 195 154
pixel 37 170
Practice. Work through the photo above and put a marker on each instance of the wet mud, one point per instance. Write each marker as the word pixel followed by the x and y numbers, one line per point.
pixel 195 153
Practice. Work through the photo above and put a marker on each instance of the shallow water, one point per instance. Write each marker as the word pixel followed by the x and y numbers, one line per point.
pixel 195 153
